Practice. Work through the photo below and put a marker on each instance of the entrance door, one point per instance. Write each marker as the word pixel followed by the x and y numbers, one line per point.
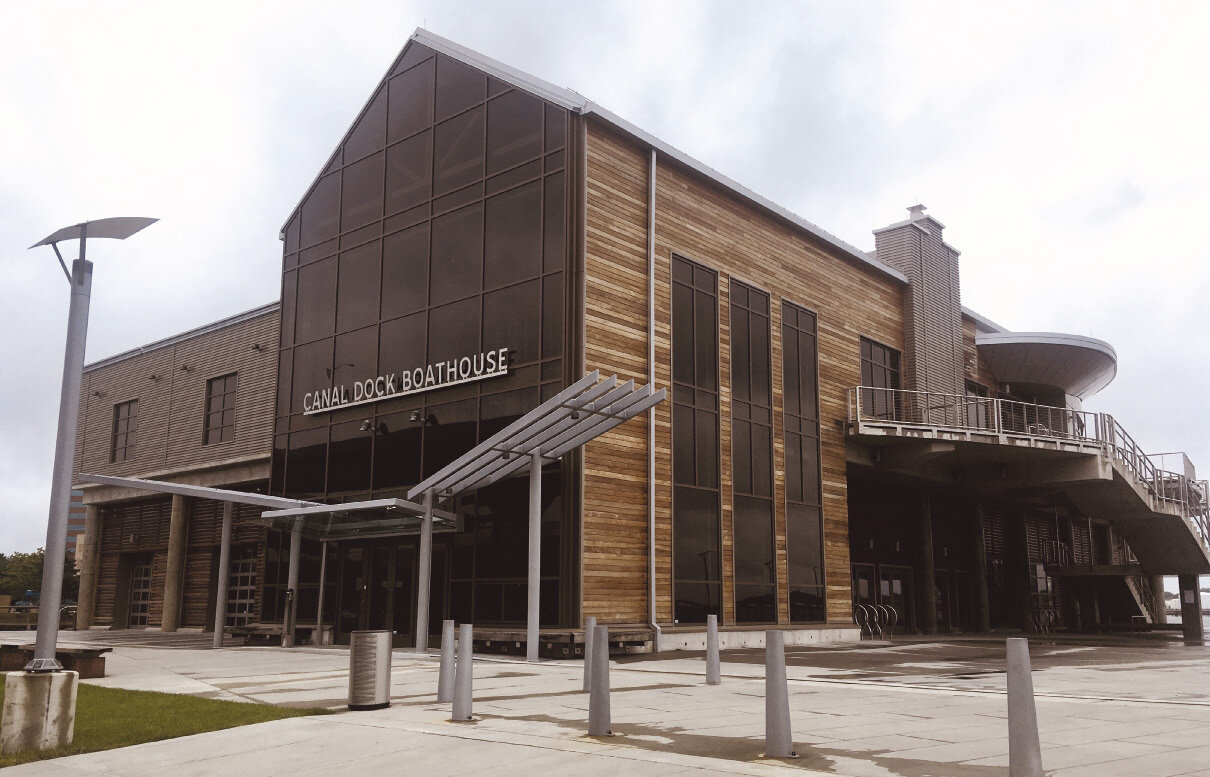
pixel 895 590
pixel 377 589
pixel 863 584
pixel 140 593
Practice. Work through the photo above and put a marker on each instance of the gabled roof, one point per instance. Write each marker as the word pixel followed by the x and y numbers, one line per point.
pixel 577 103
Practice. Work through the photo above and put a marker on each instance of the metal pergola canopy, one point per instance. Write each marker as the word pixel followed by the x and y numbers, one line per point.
pixel 583 411
pixel 353 520
pixel 197 492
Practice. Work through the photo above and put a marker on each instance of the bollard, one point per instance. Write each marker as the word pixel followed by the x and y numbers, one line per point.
pixel 1024 750
pixel 778 742
pixel 598 699
pixel 445 679
pixel 713 671
pixel 590 625
pixel 464 675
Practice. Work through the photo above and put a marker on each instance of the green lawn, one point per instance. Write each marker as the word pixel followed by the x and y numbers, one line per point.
pixel 112 717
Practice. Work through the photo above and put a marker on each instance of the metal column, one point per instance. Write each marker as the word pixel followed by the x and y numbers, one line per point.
pixel 319 605
pixel 224 573
pixel 535 556
pixel 65 449
pixel 287 639
pixel 423 577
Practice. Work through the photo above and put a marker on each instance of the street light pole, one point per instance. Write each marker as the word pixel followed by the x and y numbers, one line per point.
pixel 65 441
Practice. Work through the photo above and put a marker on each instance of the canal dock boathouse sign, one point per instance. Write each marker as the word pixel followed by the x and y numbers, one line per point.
pixel 440 374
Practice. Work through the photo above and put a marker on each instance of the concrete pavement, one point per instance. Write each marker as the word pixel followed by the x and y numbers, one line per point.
pixel 910 709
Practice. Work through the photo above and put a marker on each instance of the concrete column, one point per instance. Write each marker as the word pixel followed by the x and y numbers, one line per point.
pixel 1191 609
pixel 87 547
pixel 424 575
pixel 287 639
pixel 224 574
pixel 928 576
pixel 535 557
pixel 1157 593
pixel 174 580
pixel 983 613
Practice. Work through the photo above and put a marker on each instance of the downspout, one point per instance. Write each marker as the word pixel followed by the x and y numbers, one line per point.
pixel 651 613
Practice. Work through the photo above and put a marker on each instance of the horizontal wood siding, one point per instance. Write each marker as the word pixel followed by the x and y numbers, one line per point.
pixel 169 383
pixel 697 220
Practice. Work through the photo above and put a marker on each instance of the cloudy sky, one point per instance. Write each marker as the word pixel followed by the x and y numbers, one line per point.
pixel 1065 146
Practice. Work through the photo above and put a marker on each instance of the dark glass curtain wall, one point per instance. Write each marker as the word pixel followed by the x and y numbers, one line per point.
pixel 437 231
pixel 804 531
pixel 695 480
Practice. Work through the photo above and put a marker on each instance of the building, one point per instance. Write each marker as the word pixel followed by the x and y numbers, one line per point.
pixel 843 439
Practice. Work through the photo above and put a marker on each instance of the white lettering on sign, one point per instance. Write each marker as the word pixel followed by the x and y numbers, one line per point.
pixel 488 364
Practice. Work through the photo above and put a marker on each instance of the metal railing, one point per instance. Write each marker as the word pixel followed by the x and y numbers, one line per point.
pixel 1003 417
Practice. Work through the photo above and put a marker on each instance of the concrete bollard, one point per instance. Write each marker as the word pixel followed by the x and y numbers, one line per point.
pixel 598 698
pixel 778 742
pixel 1024 750
pixel 464 675
pixel 590 626
pixel 39 711
pixel 445 679
pixel 714 674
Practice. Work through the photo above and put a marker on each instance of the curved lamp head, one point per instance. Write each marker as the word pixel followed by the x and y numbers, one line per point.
pixel 117 228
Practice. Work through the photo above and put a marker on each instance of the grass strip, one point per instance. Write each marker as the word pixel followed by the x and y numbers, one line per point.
pixel 113 717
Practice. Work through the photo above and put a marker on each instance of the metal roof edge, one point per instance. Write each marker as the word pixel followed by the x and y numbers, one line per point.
pixel 1048 338
pixel 980 319
pixel 222 323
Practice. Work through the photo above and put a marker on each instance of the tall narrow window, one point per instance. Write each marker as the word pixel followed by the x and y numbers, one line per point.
pixel 125 424
pixel 220 409
pixel 752 456
pixel 880 374
pixel 695 494
pixel 804 533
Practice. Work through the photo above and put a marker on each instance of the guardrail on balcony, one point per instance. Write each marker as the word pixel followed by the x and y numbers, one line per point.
pixel 1002 417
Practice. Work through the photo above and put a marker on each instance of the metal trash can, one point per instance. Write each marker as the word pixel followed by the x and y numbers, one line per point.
pixel 369 670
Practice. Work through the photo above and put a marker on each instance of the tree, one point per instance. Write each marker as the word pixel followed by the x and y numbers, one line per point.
pixel 22 572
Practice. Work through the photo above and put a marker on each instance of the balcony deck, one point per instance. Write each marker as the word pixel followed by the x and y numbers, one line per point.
pixel 993 445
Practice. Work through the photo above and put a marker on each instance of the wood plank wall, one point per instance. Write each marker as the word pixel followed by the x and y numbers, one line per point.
pixel 976 369
pixel 697 220
pixel 172 406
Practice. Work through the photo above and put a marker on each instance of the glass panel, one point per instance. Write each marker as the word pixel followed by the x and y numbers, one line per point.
pixel 497 411
pixel 556 127
pixel 349 458
pixel 405 271
pixel 448 433
pixel 320 211
pixel 357 304
pixel 411 102
pixel 755 603
pixel 742 456
pixel 696 534
pixel 514 130
pixel 361 201
pixel 706 446
pixel 402 343
pixel 694 601
pixel 512 319
pixel 458 152
pixel 705 337
pixel 552 316
pixel 289 286
pixel 409 173
pixel 554 247
pixel 762 461
pixel 803 538
pixel 753 540
pixel 741 366
pixel 459 87
pixel 397 450
pixel 369 134
pixel 682 334
pixel 513 236
pixel 413 53
pixel 356 356
pixel 454 331
pixel 457 255
pixel 316 303
pixel 306 461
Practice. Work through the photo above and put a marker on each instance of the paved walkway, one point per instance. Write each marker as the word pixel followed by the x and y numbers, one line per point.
pixel 910 709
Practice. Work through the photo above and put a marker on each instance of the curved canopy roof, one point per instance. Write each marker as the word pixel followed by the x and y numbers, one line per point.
pixel 1080 366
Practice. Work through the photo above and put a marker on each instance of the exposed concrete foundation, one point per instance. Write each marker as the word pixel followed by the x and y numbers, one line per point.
pixel 733 637
pixel 39 711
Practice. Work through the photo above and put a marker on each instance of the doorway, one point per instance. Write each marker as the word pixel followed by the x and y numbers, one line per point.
pixel 376 589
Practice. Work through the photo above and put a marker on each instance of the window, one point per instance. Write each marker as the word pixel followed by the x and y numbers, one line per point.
pixel 220 409
pixel 804 536
pixel 695 440
pixel 125 424
pixel 978 405
pixel 752 456
pixel 880 376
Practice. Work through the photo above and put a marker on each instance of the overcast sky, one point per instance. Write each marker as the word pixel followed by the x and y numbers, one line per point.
pixel 1065 146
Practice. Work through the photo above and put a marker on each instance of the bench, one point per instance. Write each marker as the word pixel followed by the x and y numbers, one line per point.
pixel 88 661
pixel 263 633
